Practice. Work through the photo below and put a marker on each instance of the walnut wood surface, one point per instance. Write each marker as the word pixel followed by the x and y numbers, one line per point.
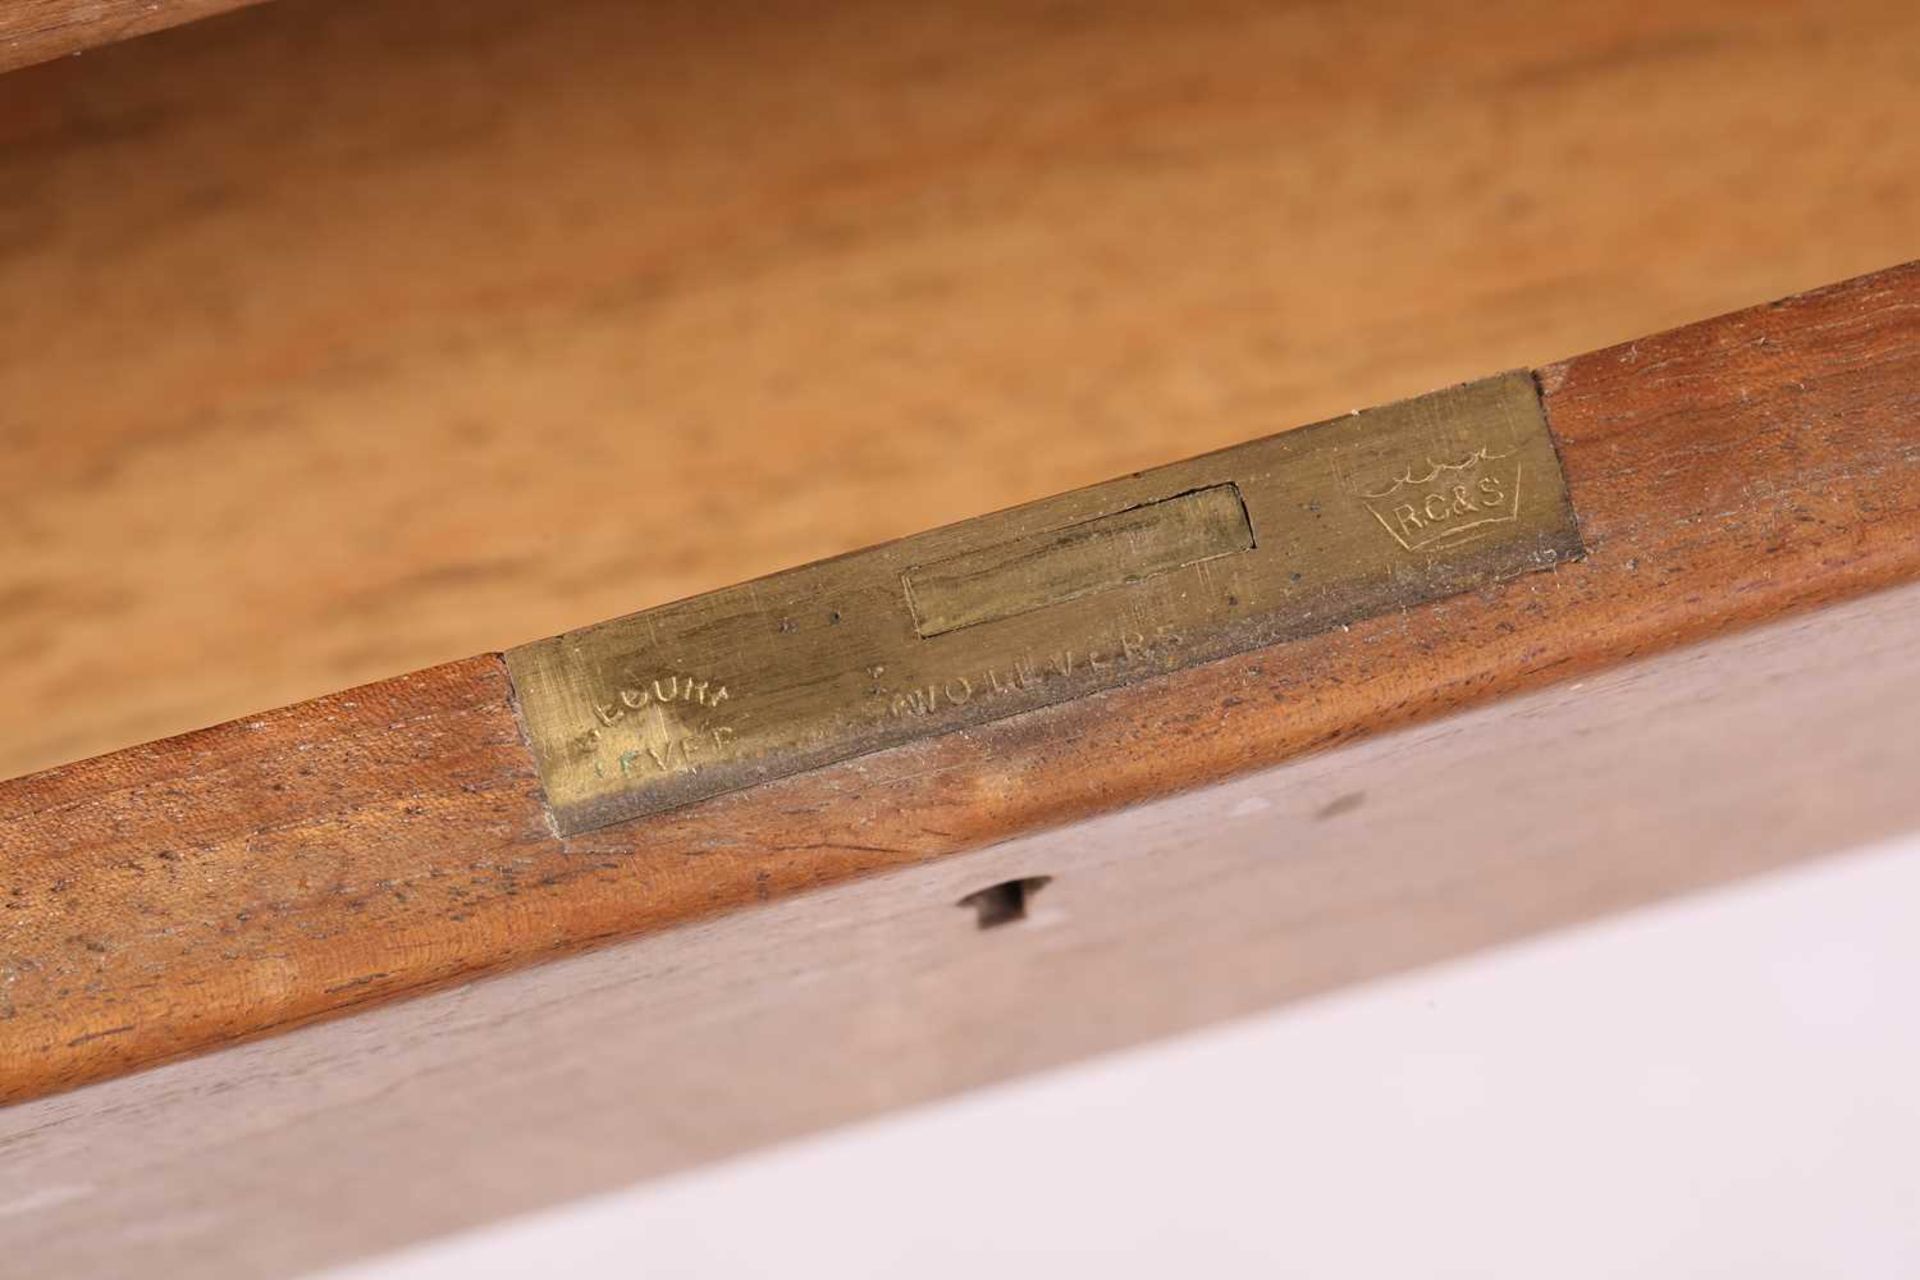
pixel 186 894
pixel 36 30
pixel 363 1134
pixel 343 338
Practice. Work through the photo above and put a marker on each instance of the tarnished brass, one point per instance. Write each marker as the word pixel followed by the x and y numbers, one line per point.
pixel 1260 543
pixel 1064 564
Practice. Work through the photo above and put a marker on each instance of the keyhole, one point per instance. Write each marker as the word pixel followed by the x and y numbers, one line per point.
pixel 1006 902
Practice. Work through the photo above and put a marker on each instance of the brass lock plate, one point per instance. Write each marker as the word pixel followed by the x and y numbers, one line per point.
pixel 1263 542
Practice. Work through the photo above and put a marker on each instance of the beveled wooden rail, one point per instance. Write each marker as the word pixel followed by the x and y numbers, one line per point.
pixel 210 888
pixel 37 30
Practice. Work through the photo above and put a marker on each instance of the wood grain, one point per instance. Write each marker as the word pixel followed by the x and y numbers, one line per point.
pixel 176 897
pixel 427 1116
pixel 35 30
pixel 340 338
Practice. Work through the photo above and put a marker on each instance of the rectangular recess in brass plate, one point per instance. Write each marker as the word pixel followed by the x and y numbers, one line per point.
pixel 1260 543
pixel 1058 565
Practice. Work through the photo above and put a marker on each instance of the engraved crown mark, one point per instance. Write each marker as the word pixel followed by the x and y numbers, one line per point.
pixel 1443 501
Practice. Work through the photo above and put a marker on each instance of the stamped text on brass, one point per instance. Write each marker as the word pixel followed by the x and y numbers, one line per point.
pixel 1268 541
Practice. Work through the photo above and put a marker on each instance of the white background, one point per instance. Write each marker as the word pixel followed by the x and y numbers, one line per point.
pixel 1727 1085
